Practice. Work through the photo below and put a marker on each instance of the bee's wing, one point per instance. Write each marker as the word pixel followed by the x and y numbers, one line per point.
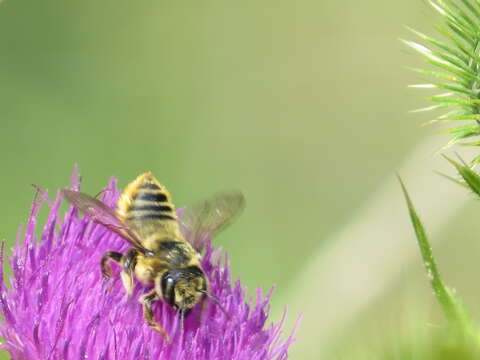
pixel 206 219
pixel 104 215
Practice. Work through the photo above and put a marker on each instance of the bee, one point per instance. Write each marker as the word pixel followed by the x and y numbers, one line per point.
pixel 160 253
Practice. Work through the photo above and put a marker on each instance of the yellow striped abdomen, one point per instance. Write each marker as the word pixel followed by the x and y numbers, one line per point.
pixel 146 207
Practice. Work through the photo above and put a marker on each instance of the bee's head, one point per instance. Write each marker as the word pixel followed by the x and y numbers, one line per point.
pixel 183 288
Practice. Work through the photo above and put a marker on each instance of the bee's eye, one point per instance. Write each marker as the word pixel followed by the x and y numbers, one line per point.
pixel 168 284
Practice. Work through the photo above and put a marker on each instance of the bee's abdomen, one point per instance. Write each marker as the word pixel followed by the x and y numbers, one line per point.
pixel 146 199
pixel 151 203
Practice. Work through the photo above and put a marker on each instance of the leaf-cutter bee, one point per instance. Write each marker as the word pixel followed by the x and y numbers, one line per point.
pixel 160 253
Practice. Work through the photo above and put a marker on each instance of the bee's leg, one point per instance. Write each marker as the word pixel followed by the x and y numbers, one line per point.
pixel 183 312
pixel 146 301
pixel 109 255
pixel 129 261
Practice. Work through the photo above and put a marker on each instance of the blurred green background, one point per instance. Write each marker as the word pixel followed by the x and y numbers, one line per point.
pixel 301 104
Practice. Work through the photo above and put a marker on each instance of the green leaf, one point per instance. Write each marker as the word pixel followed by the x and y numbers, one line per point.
pixel 437 74
pixel 456 181
pixel 461 16
pixel 461 136
pixel 476 161
pixel 450 66
pixel 441 45
pixel 452 307
pixel 472 179
pixel 459 43
pixel 458 65
pixel 465 117
pixel 443 60
pixel 455 88
pixel 454 101
pixel 472 143
pixel 472 8
pixel 450 115
pixel 464 128
pixel 462 31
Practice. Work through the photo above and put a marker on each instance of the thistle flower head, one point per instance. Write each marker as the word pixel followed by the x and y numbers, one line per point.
pixel 57 306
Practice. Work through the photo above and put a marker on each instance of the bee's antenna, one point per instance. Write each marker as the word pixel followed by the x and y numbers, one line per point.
pixel 217 302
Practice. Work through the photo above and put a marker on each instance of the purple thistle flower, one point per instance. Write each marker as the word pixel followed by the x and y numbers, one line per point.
pixel 58 307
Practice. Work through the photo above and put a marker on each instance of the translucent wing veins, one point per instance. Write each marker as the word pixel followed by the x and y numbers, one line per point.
pixel 206 219
pixel 104 215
